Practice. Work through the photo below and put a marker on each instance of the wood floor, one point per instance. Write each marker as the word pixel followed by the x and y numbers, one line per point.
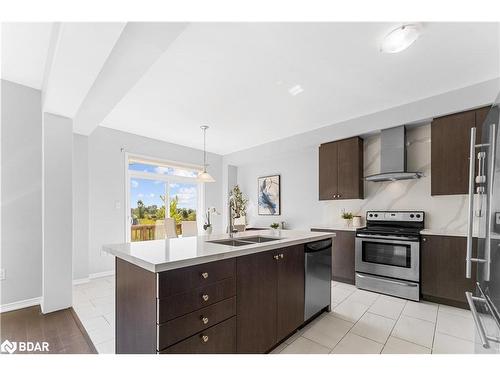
pixel 61 329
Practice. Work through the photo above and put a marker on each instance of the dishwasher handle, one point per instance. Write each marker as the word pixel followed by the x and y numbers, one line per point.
pixel 313 247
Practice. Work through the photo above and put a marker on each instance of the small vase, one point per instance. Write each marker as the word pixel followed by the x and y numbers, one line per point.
pixel 347 223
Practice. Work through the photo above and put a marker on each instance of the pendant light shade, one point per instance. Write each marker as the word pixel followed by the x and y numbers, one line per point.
pixel 204 176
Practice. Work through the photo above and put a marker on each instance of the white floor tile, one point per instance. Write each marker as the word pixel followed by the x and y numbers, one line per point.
pixel 110 318
pixel 461 326
pixel 363 296
pixel 349 310
pixel 305 346
pixel 421 310
pixel 388 306
pixel 340 294
pixel 107 347
pixel 348 287
pixel 455 311
pixel 445 344
pixel 103 300
pixel 398 346
pixel 98 336
pixel 354 344
pixel 95 323
pixel 374 327
pixel 86 312
pixel 327 331
pixel 417 331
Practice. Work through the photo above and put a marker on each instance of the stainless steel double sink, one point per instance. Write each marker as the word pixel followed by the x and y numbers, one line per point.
pixel 244 241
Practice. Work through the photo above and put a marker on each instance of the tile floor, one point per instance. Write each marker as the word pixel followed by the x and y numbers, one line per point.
pixel 360 322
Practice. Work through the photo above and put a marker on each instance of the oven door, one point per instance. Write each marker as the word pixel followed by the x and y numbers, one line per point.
pixel 388 257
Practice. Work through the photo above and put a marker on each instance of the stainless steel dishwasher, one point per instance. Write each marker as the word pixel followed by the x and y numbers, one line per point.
pixel 318 267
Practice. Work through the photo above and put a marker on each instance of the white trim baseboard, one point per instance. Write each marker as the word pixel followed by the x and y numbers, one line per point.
pixel 20 304
pixel 81 281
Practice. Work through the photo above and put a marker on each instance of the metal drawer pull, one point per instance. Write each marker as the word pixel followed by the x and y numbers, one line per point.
pixel 470 216
pixel 388 281
pixel 276 257
pixel 204 275
pixel 281 256
pixel 205 297
pixel 204 320
pixel 477 320
pixel 204 338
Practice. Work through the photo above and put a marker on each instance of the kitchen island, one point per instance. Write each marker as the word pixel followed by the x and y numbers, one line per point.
pixel 210 294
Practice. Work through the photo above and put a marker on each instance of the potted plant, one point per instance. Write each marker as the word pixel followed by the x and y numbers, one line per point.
pixel 238 206
pixel 275 227
pixel 208 224
pixel 347 216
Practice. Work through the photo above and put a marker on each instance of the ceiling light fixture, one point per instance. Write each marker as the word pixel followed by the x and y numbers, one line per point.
pixel 295 90
pixel 400 39
pixel 204 176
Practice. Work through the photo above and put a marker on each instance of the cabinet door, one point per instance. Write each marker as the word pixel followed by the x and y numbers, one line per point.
pixel 328 166
pixel 256 302
pixel 290 290
pixel 350 168
pixel 443 269
pixel 450 145
pixel 343 257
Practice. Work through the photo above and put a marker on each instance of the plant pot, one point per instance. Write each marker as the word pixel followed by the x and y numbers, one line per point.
pixel 347 223
pixel 208 230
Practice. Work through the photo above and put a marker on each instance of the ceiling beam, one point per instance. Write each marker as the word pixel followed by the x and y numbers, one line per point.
pixel 140 45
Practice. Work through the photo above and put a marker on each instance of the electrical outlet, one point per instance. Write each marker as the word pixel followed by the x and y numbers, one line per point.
pixel 2 274
pixel 118 205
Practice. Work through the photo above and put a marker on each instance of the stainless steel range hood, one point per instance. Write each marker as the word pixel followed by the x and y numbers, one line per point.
pixel 393 157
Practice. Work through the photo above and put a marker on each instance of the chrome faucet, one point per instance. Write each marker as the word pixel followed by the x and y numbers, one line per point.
pixel 230 226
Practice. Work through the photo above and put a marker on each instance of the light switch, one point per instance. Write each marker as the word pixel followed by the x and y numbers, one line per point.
pixel 2 273
pixel 118 205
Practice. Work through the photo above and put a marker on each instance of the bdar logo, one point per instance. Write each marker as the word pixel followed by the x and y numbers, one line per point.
pixel 8 347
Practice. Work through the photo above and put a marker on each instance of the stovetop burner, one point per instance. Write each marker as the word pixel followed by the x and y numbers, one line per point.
pixel 393 223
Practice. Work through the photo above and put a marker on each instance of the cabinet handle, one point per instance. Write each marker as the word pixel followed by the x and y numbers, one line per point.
pixel 204 338
pixel 424 239
pixel 281 256
pixel 276 257
pixel 205 297
pixel 204 319
pixel 204 275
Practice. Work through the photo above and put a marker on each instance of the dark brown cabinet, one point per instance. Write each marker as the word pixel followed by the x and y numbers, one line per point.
pixel 343 254
pixel 450 147
pixel 443 270
pixel 341 169
pixel 270 303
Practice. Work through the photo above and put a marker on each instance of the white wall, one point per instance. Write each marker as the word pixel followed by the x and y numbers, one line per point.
pixel 296 159
pixel 21 169
pixel 80 207
pixel 107 185
pixel 57 212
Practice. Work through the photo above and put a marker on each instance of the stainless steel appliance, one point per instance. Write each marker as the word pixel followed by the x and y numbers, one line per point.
pixel 318 277
pixel 387 258
pixel 484 204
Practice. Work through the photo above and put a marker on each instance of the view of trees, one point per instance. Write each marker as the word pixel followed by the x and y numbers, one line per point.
pixel 149 214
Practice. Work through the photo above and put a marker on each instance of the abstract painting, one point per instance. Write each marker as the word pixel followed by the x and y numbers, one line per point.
pixel 269 195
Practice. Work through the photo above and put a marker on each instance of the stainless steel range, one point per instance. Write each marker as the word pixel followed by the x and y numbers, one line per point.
pixel 388 253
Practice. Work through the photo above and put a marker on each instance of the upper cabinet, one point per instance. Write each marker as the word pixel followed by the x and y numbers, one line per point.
pixel 450 145
pixel 341 169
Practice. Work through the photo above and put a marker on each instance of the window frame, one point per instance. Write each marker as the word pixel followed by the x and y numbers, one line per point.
pixel 168 179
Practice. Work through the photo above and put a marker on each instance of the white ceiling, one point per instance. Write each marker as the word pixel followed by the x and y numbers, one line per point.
pixel 238 77
pixel 24 52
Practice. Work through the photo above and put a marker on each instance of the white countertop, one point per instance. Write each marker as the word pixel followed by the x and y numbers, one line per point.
pixel 336 227
pixel 163 255
pixel 444 232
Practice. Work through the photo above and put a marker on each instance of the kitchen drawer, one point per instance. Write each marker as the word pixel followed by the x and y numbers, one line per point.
pixel 180 328
pixel 184 303
pixel 219 339
pixel 188 278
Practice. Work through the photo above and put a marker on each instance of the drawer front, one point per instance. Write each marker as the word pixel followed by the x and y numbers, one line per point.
pixel 184 303
pixel 219 339
pixel 185 279
pixel 178 329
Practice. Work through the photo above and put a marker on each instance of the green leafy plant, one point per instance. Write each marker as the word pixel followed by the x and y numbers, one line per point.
pixel 275 225
pixel 347 215
pixel 239 202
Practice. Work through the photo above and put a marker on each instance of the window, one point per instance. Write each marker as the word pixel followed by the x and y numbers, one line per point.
pixel 158 190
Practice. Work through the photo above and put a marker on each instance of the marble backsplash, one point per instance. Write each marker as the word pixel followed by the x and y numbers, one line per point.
pixel 443 213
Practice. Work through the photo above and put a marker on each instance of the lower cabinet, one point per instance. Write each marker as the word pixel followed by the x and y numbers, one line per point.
pixel 443 270
pixel 270 303
pixel 343 254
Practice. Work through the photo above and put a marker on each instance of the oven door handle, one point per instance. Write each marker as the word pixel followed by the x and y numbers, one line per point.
pixel 369 236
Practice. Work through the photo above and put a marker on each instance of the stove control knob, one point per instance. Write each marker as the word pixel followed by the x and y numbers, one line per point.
pixel 418 216
pixel 376 215
pixel 412 216
pixel 370 215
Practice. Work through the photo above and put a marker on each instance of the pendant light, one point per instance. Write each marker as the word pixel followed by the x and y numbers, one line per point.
pixel 401 38
pixel 204 176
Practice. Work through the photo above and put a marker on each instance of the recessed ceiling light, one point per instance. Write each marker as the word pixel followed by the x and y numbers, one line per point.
pixel 400 39
pixel 295 90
